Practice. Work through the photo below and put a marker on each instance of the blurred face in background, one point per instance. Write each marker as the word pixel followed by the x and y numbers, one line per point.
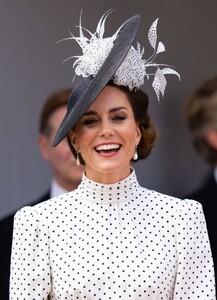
pixel 65 171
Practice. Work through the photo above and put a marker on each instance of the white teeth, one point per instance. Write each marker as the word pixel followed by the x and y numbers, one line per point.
pixel 107 147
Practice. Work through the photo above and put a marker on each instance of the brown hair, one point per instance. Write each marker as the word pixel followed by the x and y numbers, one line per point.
pixel 201 114
pixel 53 102
pixel 139 102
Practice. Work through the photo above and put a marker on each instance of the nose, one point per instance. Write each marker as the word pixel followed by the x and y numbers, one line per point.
pixel 106 128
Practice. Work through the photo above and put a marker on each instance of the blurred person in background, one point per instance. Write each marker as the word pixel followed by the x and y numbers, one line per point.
pixel 66 175
pixel 201 115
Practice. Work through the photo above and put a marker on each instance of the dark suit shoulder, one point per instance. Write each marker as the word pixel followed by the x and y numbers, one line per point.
pixel 206 193
pixel 8 220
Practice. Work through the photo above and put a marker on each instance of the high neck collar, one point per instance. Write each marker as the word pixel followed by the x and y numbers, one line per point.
pixel 109 193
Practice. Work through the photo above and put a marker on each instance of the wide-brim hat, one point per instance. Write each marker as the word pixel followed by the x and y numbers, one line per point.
pixel 86 91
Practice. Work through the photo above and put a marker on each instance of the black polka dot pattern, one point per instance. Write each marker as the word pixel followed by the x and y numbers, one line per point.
pixel 118 241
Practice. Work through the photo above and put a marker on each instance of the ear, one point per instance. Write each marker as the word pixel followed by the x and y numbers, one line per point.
pixel 211 137
pixel 138 135
pixel 44 146
pixel 74 140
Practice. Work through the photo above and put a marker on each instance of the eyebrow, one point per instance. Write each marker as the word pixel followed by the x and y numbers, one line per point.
pixel 92 112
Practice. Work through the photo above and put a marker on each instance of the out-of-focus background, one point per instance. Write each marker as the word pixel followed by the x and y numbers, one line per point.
pixel 31 69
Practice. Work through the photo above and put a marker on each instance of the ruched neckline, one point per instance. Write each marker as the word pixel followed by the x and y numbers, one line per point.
pixel 110 193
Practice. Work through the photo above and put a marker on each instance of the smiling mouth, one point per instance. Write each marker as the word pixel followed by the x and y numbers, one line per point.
pixel 107 148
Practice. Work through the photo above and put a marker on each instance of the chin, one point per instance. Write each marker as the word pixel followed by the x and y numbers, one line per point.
pixel 113 168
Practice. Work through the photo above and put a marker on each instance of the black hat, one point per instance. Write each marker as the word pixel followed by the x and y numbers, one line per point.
pixel 86 91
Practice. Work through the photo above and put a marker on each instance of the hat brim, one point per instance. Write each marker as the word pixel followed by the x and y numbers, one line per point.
pixel 85 92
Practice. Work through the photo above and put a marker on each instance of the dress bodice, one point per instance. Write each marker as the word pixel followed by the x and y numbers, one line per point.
pixel 116 241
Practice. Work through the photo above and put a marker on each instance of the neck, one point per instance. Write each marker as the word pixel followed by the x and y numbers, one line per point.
pixel 107 178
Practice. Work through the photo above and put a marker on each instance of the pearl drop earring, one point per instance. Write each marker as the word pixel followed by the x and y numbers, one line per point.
pixel 78 159
pixel 135 156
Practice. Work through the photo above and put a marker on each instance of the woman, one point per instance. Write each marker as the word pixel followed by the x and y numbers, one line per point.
pixel 111 238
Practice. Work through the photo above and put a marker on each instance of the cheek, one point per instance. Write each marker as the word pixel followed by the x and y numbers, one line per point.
pixel 131 135
pixel 84 137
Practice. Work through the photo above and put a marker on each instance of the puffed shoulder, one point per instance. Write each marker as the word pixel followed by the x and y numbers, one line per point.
pixel 25 219
pixel 25 213
pixel 191 208
pixel 30 254
pixel 36 213
pixel 29 229
pixel 190 204
pixel 191 218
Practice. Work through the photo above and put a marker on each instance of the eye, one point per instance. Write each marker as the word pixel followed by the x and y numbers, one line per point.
pixel 90 122
pixel 119 118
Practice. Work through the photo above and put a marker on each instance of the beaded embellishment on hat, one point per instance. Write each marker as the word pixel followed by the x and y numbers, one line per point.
pixel 134 68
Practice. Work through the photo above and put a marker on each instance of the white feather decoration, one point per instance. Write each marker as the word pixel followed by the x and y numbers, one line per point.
pixel 133 70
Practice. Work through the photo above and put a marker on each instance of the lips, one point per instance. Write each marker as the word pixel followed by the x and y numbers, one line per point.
pixel 107 147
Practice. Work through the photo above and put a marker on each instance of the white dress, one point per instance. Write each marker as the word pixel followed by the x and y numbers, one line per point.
pixel 118 241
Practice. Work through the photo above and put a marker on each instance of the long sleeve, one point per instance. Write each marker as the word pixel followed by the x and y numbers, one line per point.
pixel 30 271
pixel 195 273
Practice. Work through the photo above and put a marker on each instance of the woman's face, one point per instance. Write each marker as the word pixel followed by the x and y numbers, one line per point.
pixel 106 136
